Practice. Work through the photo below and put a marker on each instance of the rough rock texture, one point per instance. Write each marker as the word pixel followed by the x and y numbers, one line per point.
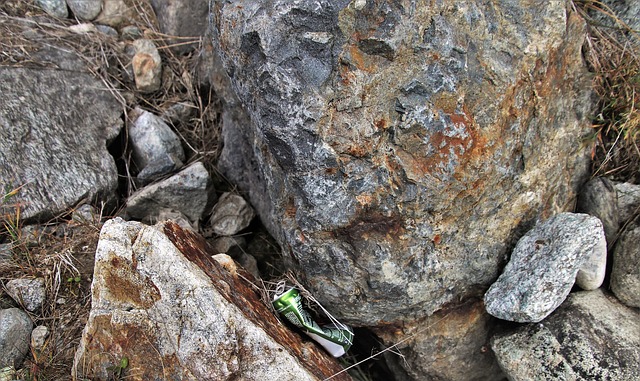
pixel 54 129
pixel 598 198
pixel 625 272
pixel 449 345
pixel 15 332
pixel 403 144
pixel 543 267
pixel 85 9
pixel 532 354
pixel 230 215
pixel 184 18
pixel 114 13
pixel 156 149
pixel 590 337
pixel 628 201
pixel 27 292
pixel 39 337
pixel 55 8
pixel 147 66
pixel 187 192
pixel 161 300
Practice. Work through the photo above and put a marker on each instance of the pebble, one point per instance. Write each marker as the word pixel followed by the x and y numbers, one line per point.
pixel 29 293
pixel 39 337
pixel 543 267
pixel 85 9
pixel 15 334
pixel 147 66
pixel 114 13
pixel 230 215
pixel 55 8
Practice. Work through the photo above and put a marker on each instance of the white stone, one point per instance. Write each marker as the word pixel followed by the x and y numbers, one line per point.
pixel 147 66
pixel 592 272
pixel 29 293
pixel 39 337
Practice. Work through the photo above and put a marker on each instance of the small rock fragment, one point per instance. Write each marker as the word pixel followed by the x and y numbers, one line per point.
pixel 55 8
pixel 625 271
pixel 177 217
pixel 29 293
pixel 187 191
pixel 106 29
pixel 230 215
pixel 83 28
pixel 131 33
pixel 85 9
pixel 147 66
pixel 15 334
pixel 39 337
pixel 232 246
pixel 543 267
pixel 114 13
pixel 598 198
pixel 85 214
pixel 157 150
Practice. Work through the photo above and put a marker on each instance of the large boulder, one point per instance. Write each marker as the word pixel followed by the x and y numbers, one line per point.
pixel 161 301
pixel 403 146
pixel 55 125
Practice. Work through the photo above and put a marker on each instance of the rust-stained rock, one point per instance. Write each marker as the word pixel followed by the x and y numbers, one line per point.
pixel 403 146
pixel 452 344
pixel 160 300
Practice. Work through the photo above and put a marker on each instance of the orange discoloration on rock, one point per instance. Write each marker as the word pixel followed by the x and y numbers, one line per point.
pixel 241 294
pixel 124 283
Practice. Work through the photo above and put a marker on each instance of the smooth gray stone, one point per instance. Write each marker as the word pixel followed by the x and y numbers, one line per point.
pixel 85 9
pixel 599 198
pixel 15 335
pixel 625 272
pixel 543 267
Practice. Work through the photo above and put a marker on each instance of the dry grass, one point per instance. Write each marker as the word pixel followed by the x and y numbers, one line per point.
pixel 612 51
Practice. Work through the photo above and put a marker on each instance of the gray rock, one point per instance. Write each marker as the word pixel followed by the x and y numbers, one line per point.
pixel 628 201
pixel 398 145
pixel 131 33
pixel 114 13
pixel 232 246
pixel 249 263
pixel 46 114
pixel 589 337
pixel 187 18
pixel 157 150
pixel 109 31
pixel 180 112
pixel 611 12
pixel 85 214
pixel 230 215
pixel 625 272
pixel 187 192
pixel 85 9
pixel 39 337
pixel 147 66
pixel 55 8
pixel 177 217
pixel 532 354
pixel 543 267
pixel 594 268
pixel 6 253
pixel 454 340
pixel 15 332
pixel 199 320
pixel 598 198
pixel 29 293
